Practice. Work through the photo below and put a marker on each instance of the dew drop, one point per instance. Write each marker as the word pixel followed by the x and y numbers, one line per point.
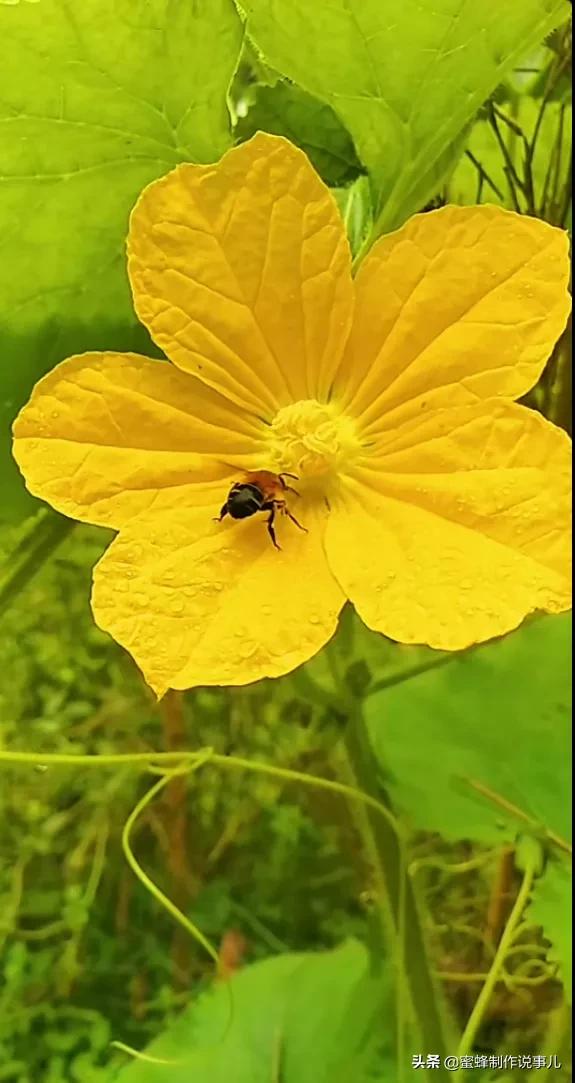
pixel 55 414
pixel 313 618
pixel 266 610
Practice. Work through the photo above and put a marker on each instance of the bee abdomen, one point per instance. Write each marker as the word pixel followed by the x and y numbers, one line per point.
pixel 243 509
pixel 245 500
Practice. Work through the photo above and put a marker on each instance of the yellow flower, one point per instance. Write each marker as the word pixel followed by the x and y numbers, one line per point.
pixel 432 502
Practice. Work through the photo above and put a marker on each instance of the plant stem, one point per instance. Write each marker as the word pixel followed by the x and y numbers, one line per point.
pixel 476 1018
pixel 399 910
pixel 557 406
pixel 176 805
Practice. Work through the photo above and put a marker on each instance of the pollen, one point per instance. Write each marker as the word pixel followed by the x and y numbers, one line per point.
pixel 313 440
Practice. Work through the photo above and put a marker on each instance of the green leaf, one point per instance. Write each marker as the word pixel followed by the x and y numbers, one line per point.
pixel 287 110
pixel 298 1018
pixel 486 727
pixel 404 78
pixel 99 97
pixel 356 209
pixel 34 543
pixel 551 908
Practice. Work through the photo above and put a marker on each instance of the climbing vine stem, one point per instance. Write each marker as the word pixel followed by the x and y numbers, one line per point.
pixel 531 868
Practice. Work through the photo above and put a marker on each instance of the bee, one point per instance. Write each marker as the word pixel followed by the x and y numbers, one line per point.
pixel 260 491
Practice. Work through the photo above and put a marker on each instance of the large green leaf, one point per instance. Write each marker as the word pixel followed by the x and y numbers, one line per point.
pixel 298 1018
pixel 495 718
pixel 287 110
pixel 405 78
pixel 98 98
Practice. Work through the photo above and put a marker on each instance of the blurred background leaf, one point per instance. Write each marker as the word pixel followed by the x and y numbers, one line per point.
pixel 498 715
pixel 285 109
pixel 98 99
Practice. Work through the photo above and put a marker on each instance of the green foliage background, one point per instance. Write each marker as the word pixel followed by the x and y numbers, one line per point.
pixel 398 106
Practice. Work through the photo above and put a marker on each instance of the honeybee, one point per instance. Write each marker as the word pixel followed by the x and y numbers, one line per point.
pixel 260 491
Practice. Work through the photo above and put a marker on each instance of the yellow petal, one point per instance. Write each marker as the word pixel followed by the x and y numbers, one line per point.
pixel 203 603
pixel 461 304
pixel 106 436
pixel 241 273
pixel 459 529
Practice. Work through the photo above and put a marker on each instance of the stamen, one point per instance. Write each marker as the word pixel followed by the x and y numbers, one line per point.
pixel 312 439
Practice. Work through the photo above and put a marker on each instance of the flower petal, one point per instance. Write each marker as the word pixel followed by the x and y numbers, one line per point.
pixel 241 273
pixel 104 436
pixel 199 603
pixel 461 304
pixel 459 529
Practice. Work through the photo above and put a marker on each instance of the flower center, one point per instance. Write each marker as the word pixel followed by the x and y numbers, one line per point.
pixel 312 439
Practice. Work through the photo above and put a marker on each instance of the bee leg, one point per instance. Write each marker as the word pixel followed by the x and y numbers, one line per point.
pixel 223 513
pixel 294 520
pixel 270 526
pixel 288 488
